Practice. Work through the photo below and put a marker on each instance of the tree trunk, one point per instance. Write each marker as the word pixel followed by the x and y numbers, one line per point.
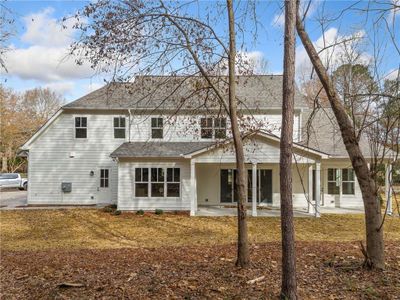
pixel 373 217
pixel 4 165
pixel 289 286
pixel 243 259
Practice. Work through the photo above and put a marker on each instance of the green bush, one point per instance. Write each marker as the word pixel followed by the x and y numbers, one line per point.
pixel 140 212
pixel 159 211
pixel 117 212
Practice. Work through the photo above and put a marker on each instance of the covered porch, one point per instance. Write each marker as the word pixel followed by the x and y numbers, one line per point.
pixel 213 172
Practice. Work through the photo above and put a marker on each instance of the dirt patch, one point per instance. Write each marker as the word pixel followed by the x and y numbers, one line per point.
pixel 325 271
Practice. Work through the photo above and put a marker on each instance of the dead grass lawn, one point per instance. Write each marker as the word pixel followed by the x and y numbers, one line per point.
pixel 94 229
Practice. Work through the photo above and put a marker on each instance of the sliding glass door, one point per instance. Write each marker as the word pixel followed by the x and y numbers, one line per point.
pixel 229 190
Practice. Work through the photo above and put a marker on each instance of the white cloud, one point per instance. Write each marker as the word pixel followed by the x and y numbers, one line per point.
pixel 334 49
pixel 44 64
pixel 43 30
pixel 310 6
pixel 45 59
pixel 63 88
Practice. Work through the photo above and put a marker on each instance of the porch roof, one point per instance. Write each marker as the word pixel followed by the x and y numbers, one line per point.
pixel 158 149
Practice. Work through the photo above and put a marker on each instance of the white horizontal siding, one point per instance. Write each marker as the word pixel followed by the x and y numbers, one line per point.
pixel 50 161
pixel 183 128
pixel 126 187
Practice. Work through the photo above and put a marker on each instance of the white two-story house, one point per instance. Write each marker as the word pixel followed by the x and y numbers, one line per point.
pixel 157 144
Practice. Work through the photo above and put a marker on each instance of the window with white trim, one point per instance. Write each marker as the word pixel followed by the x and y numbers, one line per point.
pixel 81 127
pixel 213 128
pixel 334 181
pixel 104 178
pixel 157 182
pixel 141 182
pixel 220 128
pixel 348 181
pixel 163 182
pixel 157 128
pixel 119 127
pixel 173 182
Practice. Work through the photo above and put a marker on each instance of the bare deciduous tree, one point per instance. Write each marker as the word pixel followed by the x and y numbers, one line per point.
pixel 133 38
pixel 289 286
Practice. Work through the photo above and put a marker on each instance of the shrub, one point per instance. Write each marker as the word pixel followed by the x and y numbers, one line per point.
pixel 117 212
pixel 107 209
pixel 159 211
pixel 140 212
pixel 113 206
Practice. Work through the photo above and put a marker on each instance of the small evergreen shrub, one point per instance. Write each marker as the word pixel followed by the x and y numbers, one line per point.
pixel 159 211
pixel 140 212
pixel 117 212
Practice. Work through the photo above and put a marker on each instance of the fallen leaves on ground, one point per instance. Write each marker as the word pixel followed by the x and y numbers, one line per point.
pixel 94 229
pixel 201 272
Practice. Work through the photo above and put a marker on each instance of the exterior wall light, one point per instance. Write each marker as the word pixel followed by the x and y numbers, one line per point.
pixel 91 173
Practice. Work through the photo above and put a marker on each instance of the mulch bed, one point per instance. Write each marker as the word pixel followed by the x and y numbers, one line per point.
pixel 325 271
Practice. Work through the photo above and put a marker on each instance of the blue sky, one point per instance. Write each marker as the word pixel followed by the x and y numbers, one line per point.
pixel 39 45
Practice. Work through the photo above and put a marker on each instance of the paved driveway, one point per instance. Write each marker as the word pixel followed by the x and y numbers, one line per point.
pixel 10 198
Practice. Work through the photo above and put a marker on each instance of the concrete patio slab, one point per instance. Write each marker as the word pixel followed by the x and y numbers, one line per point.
pixel 220 211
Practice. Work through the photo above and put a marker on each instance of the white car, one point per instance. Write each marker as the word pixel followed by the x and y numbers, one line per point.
pixel 13 180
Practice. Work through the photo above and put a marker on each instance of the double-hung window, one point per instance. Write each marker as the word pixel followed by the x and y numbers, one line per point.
pixel 334 181
pixel 119 127
pixel 220 128
pixel 80 127
pixel 141 182
pixel 347 181
pixel 213 128
pixel 173 182
pixel 157 182
pixel 156 128
pixel 206 128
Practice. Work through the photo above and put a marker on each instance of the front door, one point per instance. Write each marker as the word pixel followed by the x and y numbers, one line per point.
pixel 104 186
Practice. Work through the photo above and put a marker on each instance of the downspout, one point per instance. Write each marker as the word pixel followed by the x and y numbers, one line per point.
pixel 130 117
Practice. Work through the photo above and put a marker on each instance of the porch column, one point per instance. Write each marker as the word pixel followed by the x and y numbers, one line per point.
pixel 310 208
pixel 254 190
pixel 388 189
pixel 317 189
pixel 192 188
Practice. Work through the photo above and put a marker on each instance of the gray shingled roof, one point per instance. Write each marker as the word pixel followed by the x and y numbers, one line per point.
pixel 158 149
pixel 325 135
pixel 170 92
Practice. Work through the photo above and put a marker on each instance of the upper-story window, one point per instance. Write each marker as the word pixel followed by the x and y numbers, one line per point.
pixel 81 127
pixel 156 128
pixel 213 128
pixel 119 127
